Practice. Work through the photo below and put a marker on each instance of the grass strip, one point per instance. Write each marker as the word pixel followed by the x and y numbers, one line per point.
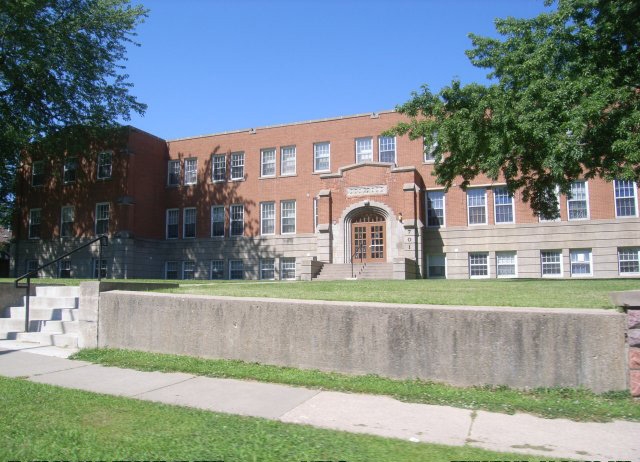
pixel 43 422
pixel 574 404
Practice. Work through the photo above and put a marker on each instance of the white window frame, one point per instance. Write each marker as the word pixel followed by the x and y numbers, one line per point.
pixel 172 173
pixel 632 256
pixel 500 264
pixel 102 165
pixel 64 233
pixel 214 209
pixel 176 224
pixel 288 160
pixel 37 172
pixel 191 171
pixel 100 266
pixel 429 265
pixel 384 146
pixel 542 263
pixel 167 264
pixel 218 168
pixel 33 222
pixel 429 205
pixel 571 200
pixel 542 219
pixel 237 166
pixel 510 205
pixel 185 223
pixel 471 193
pixel 231 269
pixel 266 220
pixel 216 263
pixel 319 154
pixel 268 163
pixel 286 215
pixel 634 196
pixel 287 264
pixel 362 153
pixel 102 217
pixel 472 265
pixel 67 169
pixel 577 253
pixel 236 217
pixel 188 266
pixel 429 151
pixel 267 265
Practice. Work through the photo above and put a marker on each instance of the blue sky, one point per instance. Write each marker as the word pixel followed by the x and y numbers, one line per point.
pixel 207 66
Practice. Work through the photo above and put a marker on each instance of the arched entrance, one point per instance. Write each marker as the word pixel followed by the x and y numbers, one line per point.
pixel 368 237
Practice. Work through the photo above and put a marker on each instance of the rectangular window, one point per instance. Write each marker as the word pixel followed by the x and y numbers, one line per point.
pixel 479 265
pixel 189 223
pixel 364 150
pixel 171 270
pixel 236 269
pixel 37 173
pixel 503 205
pixel 99 268
pixel 506 264
pixel 69 171
pixel 554 194
pixel 288 160
pixel 551 263
pixel 35 217
pixel 436 266
pixel 188 270
pixel 217 269
pixel 190 171
pixel 102 218
pixel 32 266
pixel 217 221
pixel 435 208
pixel 237 166
pixel 288 215
pixel 287 268
pixel 578 201
pixel 477 206
pixel 172 223
pixel 267 268
pixel 104 165
pixel 430 149
pixel 236 214
pixel 66 221
pixel 629 261
pixel 267 218
pixel 387 149
pixel 64 269
pixel 218 167
pixel 580 262
pixel 173 173
pixel 626 200
pixel 321 157
pixel 267 162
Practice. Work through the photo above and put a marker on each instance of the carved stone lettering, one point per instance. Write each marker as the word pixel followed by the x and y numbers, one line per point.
pixel 373 190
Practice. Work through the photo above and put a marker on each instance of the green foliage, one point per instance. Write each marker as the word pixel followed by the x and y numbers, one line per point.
pixel 565 103
pixel 61 66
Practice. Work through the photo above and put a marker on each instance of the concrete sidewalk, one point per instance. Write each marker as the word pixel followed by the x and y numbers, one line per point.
pixel 376 415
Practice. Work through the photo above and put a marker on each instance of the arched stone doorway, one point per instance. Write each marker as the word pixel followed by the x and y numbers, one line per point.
pixel 369 237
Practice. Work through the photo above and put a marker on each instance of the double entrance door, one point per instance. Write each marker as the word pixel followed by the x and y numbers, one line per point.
pixel 368 238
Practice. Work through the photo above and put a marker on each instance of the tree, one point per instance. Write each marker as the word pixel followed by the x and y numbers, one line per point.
pixel 563 104
pixel 61 67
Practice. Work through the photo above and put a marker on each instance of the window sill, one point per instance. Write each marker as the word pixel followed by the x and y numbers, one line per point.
pixel 288 175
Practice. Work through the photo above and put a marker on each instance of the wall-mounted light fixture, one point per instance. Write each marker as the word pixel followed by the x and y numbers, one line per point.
pixel 400 217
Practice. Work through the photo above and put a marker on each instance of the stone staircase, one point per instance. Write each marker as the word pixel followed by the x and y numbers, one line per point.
pixel 334 272
pixel 53 318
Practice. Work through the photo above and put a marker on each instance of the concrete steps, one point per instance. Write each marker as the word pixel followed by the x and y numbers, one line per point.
pixel 335 272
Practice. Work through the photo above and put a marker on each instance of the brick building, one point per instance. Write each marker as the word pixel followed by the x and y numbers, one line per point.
pixel 283 202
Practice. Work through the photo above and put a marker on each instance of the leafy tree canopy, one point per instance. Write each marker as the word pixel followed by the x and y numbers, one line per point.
pixel 61 66
pixel 563 103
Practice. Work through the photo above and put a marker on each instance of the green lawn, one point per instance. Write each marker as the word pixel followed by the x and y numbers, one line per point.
pixel 42 422
pixel 572 404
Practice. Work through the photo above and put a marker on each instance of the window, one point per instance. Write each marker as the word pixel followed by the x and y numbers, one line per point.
pixel 37 173
pixel 102 218
pixel 477 206
pixel 267 268
pixel 218 167
pixel 479 265
pixel 190 171
pixel 288 215
pixel 69 171
pixel 32 265
pixel 629 260
pixel 64 269
pixel 237 220
pixel 267 218
pixel 435 208
pixel 99 268
pixel 171 270
pixel 626 203
pixel 321 157
pixel 35 217
pixel 173 173
pixel 217 269
pixel 189 223
pixel 551 263
pixel 288 160
pixel 268 162
pixel 503 205
pixel 506 264
pixel 430 149
pixel 237 166
pixel 66 221
pixel 236 269
pixel 172 223
pixel 217 221
pixel 387 149
pixel 578 201
pixel 287 268
pixel 188 270
pixel 364 150
pixel 580 262
pixel 436 266
pixel 104 165
pixel 555 194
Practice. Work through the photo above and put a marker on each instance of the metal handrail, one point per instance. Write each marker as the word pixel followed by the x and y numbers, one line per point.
pixel 104 241
pixel 359 249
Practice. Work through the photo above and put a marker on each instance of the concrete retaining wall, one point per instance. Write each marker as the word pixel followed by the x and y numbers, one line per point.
pixel 521 348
